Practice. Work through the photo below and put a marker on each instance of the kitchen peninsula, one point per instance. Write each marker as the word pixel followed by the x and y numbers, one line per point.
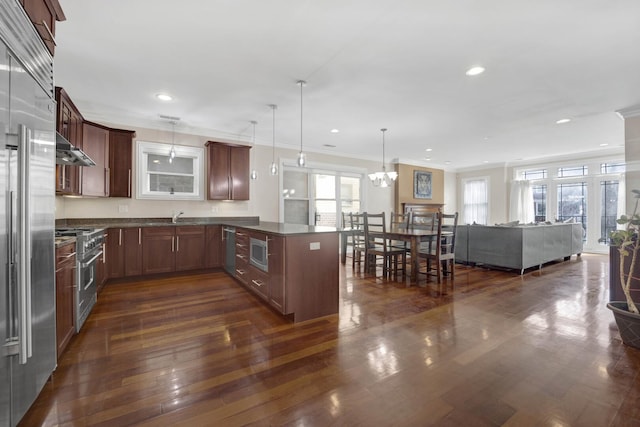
pixel 292 268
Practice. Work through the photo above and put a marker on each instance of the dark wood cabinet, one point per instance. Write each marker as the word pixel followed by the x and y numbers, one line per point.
pixel 111 150
pixel 69 125
pixel 227 171
pixel 242 256
pixel 168 249
pixel 213 246
pixel 120 161
pixel 95 143
pixel 190 245
pixel 292 285
pixel 132 238
pixel 275 254
pixel 158 250
pixel 44 14
pixel 65 288
pixel 114 253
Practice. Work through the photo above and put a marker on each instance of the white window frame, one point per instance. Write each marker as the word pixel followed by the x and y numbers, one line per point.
pixel 196 154
pixel 592 179
pixel 488 184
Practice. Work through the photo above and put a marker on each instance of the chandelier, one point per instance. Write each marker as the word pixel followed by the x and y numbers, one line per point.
pixel 383 178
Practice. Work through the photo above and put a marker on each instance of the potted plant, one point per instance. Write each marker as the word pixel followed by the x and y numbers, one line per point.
pixel 628 246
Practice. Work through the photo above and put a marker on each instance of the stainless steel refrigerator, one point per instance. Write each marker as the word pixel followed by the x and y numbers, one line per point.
pixel 27 203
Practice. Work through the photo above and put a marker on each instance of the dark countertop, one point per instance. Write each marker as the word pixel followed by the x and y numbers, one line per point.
pixel 252 223
pixel 287 229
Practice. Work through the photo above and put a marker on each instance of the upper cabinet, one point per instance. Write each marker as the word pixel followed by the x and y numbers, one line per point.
pixel 227 171
pixel 95 143
pixel 120 161
pixel 68 124
pixel 111 150
pixel 44 14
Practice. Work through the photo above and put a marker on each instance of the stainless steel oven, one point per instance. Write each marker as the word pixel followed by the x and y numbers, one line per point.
pixel 88 250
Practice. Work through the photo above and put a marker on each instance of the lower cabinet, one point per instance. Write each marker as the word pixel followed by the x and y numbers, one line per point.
pixel 275 254
pixel 172 248
pixel 293 284
pixel 213 246
pixel 65 288
pixel 124 252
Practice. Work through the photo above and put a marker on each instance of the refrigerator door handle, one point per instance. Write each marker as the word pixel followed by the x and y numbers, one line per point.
pixel 24 254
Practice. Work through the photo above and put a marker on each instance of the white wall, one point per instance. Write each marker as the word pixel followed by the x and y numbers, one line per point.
pixel 264 192
pixel 498 194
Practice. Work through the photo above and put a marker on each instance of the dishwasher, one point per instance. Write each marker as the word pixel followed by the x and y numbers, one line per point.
pixel 229 237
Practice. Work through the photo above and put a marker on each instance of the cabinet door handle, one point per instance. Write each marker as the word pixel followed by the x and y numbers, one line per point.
pixel 129 184
pixel 104 253
pixel 120 237
pixel 172 244
pixel 257 282
pixel 139 235
pixel 178 244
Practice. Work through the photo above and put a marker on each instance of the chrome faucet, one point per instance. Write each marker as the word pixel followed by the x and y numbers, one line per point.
pixel 175 217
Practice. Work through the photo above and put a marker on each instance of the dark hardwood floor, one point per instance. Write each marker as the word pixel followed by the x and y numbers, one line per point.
pixel 500 349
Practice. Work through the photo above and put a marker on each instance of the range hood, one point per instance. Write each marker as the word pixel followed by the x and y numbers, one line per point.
pixel 67 154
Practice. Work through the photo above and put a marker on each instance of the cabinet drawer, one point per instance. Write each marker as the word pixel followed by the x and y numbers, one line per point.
pixel 259 283
pixel 242 271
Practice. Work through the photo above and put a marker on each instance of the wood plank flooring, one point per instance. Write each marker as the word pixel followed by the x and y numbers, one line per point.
pixel 500 349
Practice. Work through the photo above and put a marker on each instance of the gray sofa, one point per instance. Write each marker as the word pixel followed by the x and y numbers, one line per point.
pixel 517 247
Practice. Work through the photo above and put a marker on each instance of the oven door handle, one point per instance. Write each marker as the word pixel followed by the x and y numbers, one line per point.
pixel 86 264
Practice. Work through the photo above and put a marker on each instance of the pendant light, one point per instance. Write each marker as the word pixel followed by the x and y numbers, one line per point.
pixel 254 172
pixel 302 160
pixel 172 150
pixel 273 169
pixel 383 178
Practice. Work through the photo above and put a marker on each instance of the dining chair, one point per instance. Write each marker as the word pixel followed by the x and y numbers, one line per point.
pixel 448 243
pixel 346 224
pixel 440 254
pixel 401 221
pixel 379 245
pixel 359 247
pixel 430 251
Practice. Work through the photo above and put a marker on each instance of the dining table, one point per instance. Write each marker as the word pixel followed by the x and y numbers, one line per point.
pixel 411 234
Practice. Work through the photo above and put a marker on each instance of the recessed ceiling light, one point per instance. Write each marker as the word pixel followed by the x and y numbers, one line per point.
pixel 561 121
pixel 164 97
pixel 428 159
pixel 474 71
pixel 429 149
pixel 447 162
pixel 604 144
pixel 485 161
pixel 335 130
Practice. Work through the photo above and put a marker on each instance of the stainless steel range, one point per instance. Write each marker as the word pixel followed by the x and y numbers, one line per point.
pixel 88 250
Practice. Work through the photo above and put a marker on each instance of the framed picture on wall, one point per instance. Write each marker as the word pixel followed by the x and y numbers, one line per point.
pixel 421 185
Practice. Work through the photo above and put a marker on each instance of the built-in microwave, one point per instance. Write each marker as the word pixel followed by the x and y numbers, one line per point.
pixel 258 254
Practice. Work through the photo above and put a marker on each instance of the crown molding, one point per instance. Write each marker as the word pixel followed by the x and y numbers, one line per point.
pixel 629 112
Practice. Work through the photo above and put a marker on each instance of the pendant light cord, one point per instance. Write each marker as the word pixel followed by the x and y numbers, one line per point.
pixel 273 146
pixel 384 169
pixel 302 83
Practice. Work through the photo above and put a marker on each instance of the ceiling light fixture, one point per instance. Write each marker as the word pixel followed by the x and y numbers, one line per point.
pixel 254 172
pixel 172 150
pixel 164 97
pixel 302 160
pixel 335 130
pixel 273 169
pixel 561 121
pixel 383 178
pixel 474 71
pixel 429 149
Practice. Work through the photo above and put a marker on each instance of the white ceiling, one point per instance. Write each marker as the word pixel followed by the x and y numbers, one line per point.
pixel 369 64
